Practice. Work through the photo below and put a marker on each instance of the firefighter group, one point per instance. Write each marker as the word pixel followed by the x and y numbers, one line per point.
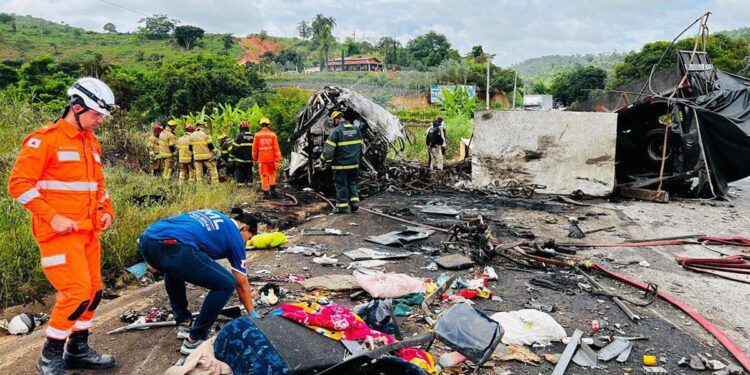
pixel 194 157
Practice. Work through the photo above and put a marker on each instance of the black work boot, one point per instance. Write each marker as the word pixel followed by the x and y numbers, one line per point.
pixel 51 361
pixel 79 355
pixel 274 194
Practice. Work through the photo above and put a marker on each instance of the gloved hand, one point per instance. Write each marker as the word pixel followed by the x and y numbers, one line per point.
pixel 253 314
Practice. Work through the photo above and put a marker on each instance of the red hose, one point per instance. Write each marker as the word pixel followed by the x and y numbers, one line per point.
pixel 735 350
pixel 738 354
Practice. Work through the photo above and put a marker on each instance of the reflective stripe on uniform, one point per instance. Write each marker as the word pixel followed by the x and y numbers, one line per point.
pixel 68 156
pixel 67 186
pixel 57 333
pixel 28 196
pixel 52 261
pixel 331 143
pixel 347 143
pixel 354 199
pixel 84 324
pixel 352 166
pixel 342 205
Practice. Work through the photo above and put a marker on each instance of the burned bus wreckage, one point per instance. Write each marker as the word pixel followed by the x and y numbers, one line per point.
pixel 706 115
pixel 382 132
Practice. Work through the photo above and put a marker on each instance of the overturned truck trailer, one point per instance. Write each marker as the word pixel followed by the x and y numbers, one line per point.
pixel 381 132
pixel 707 120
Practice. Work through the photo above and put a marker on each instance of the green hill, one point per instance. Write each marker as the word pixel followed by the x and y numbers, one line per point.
pixel 741 33
pixel 544 68
pixel 36 37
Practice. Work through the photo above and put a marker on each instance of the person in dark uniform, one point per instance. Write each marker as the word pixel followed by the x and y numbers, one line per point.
pixel 343 150
pixel 242 153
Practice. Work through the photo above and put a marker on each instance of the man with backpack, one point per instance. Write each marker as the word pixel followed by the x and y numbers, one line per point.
pixel 435 142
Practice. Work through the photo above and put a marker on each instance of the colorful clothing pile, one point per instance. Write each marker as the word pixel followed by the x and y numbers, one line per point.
pixel 338 323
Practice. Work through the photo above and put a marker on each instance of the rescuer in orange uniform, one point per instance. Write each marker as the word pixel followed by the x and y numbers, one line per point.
pixel 267 154
pixel 58 177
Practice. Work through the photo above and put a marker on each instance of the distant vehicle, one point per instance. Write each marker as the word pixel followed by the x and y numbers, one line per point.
pixel 538 102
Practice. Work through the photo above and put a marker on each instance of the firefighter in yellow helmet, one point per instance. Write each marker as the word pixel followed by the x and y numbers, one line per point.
pixel 168 149
pixel 154 163
pixel 225 143
pixel 241 152
pixel 342 150
pixel 204 154
pixel 185 156
pixel 267 154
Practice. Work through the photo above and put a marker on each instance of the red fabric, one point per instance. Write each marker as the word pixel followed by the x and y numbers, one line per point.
pixel 339 323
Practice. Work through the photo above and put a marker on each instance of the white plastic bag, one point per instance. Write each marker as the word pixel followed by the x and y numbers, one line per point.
pixel 526 327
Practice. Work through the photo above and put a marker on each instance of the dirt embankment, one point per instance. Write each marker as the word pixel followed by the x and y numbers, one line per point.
pixel 255 47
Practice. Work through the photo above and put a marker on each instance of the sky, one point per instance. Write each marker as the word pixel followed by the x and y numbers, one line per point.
pixel 512 30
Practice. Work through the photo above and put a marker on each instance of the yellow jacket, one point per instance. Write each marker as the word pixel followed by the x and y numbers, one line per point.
pixel 166 139
pixel 183 149
pixel 153 145
pixel 200 142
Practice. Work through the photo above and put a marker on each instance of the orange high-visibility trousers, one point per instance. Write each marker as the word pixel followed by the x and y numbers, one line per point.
pixel 267 173
pixel 71 263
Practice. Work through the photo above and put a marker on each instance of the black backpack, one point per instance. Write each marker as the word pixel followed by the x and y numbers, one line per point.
pixel 434 137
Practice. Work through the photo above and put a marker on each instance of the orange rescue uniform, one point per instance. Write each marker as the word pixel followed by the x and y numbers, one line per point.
pixel 59 171
pixel 266 152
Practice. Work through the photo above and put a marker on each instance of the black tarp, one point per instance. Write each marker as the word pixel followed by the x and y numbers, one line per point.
pixel 718 120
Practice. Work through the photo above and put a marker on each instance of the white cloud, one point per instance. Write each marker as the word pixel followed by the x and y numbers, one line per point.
pixel 511 29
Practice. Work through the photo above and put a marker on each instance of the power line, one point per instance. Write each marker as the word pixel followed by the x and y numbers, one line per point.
pixel 123 7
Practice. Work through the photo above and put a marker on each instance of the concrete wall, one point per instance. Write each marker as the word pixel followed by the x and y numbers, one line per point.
pixel 563 151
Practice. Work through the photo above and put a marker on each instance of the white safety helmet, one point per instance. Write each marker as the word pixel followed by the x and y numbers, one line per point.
pixel 95 94
pixel 21 324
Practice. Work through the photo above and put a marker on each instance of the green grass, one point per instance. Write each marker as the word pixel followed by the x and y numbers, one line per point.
pixel 35 38
pixel 402 80
pixel 457 127
pixel 21 279
pixel 424 115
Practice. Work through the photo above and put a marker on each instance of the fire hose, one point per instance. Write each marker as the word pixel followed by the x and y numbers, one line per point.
pixel 715 331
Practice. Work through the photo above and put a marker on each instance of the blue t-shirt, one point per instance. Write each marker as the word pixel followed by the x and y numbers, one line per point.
pixel 209 231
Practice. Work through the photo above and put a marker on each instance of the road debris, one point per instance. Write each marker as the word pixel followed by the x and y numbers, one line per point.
pixel 334 283
pixel 389 285
pixel 528 327
pixel 398 238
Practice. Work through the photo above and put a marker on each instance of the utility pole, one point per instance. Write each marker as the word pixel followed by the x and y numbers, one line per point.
pixel 487 91
pixel 515 79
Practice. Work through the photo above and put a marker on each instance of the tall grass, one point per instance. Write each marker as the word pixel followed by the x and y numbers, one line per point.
pixel 458 127
pixel 21 278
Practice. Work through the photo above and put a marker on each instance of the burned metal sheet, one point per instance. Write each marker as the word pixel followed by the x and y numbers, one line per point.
pixel 381 132
pixel 614 349
pixel 400 237
pixel 440 210
pixel 364 253
pixel 559 152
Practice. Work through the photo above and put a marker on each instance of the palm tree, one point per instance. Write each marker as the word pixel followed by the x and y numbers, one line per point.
pixel 321 22
pixel 325 41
